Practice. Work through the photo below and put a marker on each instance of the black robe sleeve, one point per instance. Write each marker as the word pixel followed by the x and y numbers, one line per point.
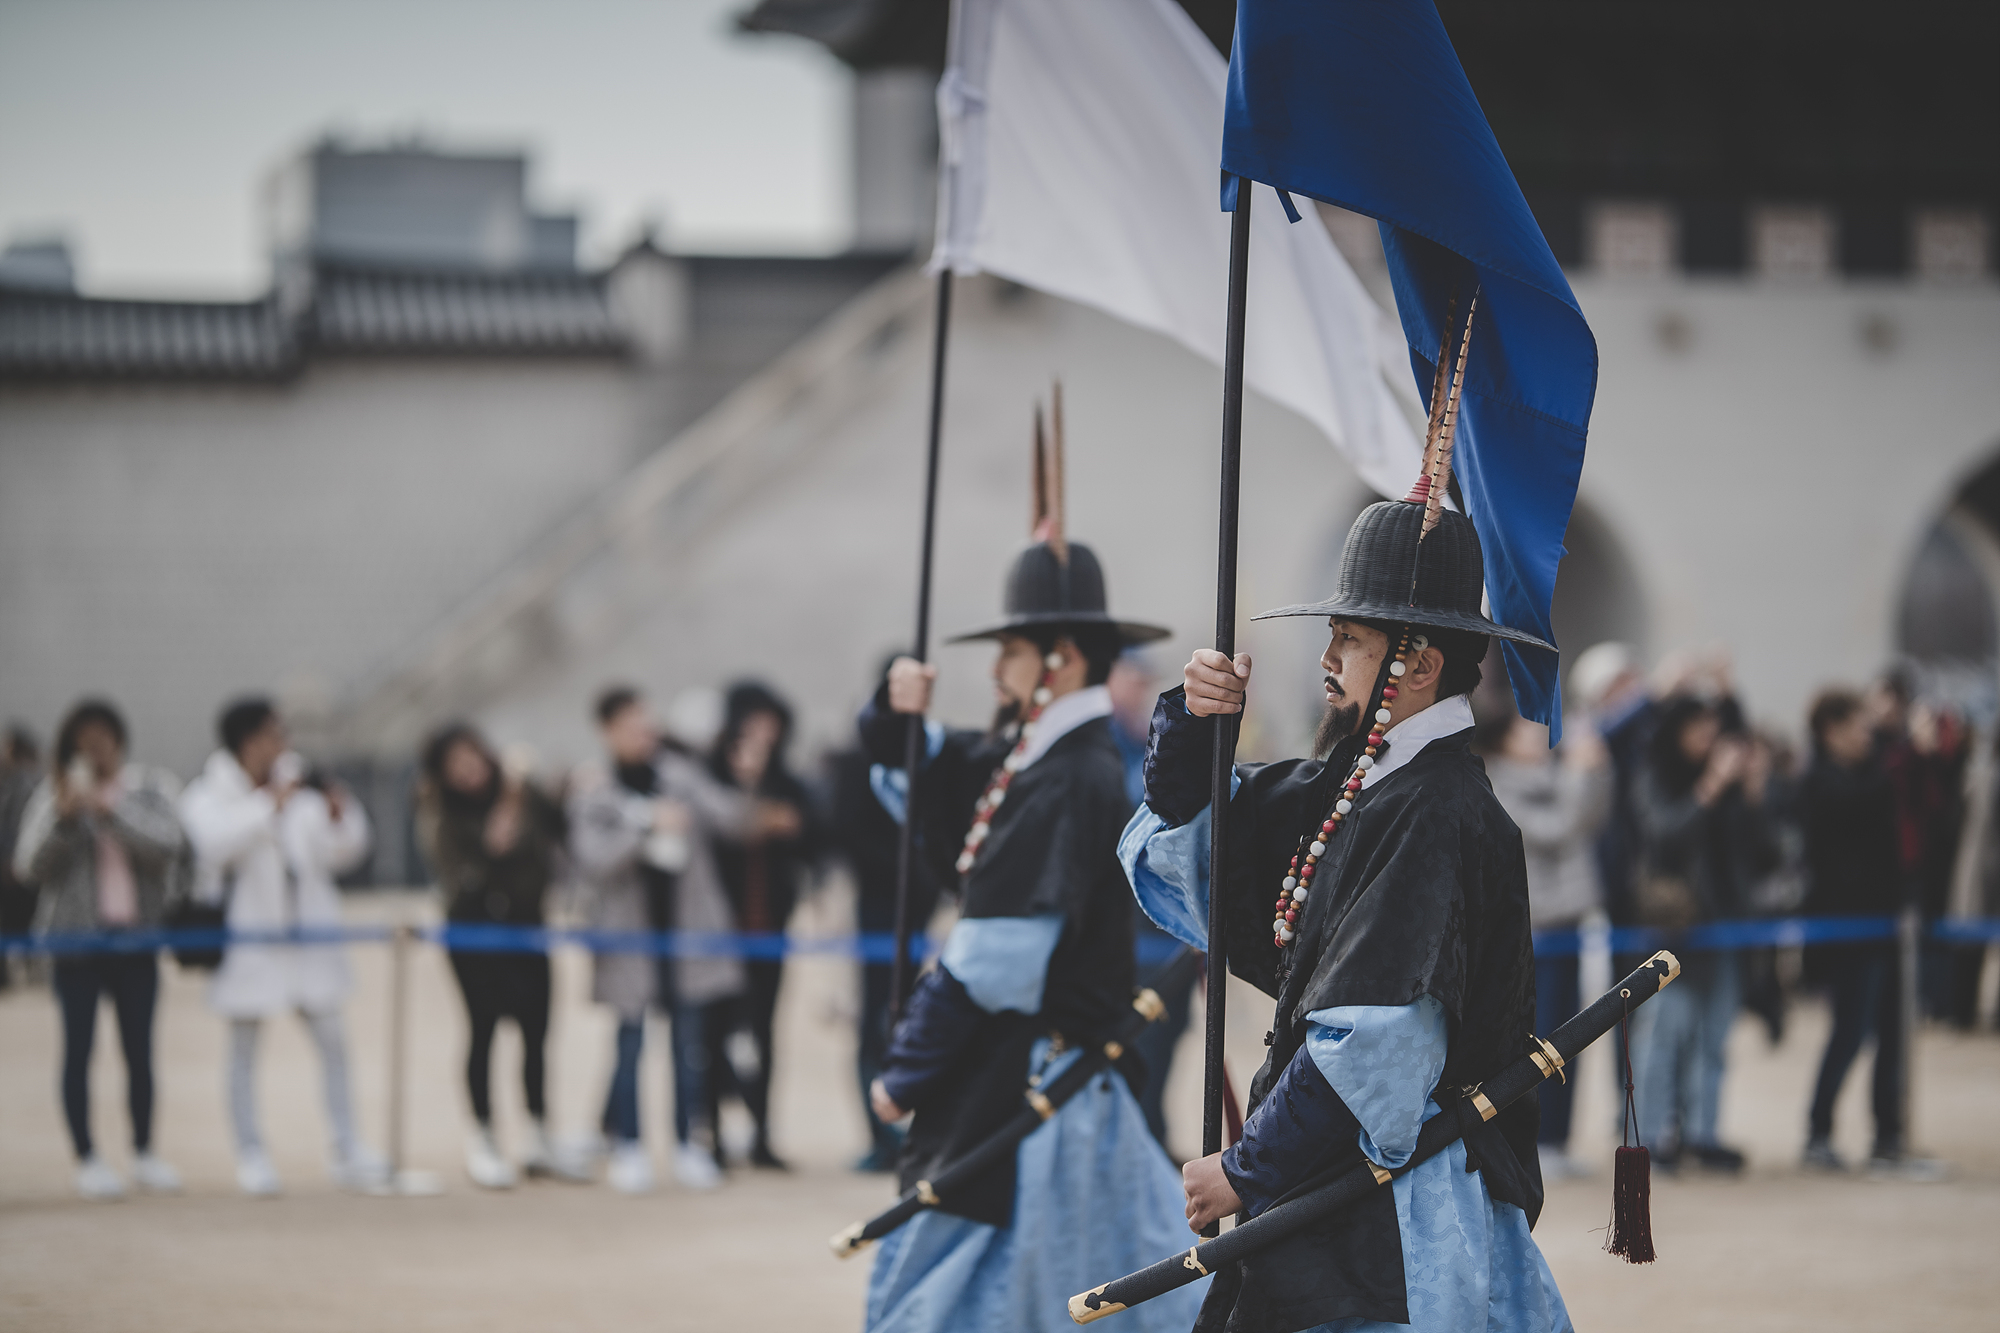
pixel 1179 751
pixel 948 782
pixel 1301 1128
pixel 934 1029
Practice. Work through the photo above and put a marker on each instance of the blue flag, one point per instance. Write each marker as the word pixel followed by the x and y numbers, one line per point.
pixel 1363 104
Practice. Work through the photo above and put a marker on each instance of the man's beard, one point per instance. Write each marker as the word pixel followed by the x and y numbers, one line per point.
pixel 1340 721
pixel 1005 716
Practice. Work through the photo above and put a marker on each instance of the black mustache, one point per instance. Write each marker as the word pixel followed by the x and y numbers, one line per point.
pixel 1334 686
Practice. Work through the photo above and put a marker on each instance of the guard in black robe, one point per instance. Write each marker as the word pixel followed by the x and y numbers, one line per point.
pixel 1400 957
pixel 1024 820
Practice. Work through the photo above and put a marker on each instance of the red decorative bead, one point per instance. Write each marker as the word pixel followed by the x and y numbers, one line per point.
pixel 1327 827
pixel 1291 916
pixel 1307 873
pixel 1388 691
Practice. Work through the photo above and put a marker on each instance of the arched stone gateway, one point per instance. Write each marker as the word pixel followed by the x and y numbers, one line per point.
pixel 1948 611
pixel 1599 595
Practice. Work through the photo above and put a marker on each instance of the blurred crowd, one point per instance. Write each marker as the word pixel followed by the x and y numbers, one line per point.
pixel 1663 810
pixel 1667 816
pixel 700 827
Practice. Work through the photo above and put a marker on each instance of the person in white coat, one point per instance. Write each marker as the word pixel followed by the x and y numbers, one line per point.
pixel 268 841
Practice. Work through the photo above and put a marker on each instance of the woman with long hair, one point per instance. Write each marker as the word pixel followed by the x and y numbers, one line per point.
pixel 491 837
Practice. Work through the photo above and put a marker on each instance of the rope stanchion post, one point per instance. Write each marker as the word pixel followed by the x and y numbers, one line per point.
pixel 399 1004
pixel 1909 931
pixel 402 1179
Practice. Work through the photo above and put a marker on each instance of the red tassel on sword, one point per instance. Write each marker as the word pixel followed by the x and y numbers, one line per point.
pixel 1631 1237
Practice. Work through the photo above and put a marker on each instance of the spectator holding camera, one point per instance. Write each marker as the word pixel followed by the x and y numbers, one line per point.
pixel 100 838
pixel 1706 837
pixel 643 825
pixel 269 838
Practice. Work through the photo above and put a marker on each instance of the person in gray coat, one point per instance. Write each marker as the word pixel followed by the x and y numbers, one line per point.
pixel 641 828
pixel 101 840
pixel 1560 800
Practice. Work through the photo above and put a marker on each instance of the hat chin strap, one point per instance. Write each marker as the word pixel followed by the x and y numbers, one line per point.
pixel 1382 678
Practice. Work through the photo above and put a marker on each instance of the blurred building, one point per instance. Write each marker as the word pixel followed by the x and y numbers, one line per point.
pixel 439 469
pixel 199 498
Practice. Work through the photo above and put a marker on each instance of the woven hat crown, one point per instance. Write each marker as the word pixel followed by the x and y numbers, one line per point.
pixel 1041 584
pixel 1385 547
pixel 1386 543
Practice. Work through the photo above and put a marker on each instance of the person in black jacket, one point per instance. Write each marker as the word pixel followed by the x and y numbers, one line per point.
pixel 762 874
pixel 1853 868
pixel 491 839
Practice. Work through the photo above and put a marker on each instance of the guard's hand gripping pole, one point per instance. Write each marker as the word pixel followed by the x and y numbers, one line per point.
pixel 1517 1080
pixel 1042 1103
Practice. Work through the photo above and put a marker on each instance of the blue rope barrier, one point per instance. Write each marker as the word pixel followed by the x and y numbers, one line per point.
pixel 1782 932
pixel 1977 930
pixel 880 947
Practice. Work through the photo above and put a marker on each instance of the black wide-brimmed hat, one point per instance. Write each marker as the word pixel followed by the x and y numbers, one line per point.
pixel 1056 584
pixel 1385 548
pixel 1046 591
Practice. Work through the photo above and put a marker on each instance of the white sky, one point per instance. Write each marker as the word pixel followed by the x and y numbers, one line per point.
pixel 141 129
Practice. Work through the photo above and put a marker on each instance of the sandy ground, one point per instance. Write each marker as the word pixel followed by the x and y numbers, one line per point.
pixel 1775 1250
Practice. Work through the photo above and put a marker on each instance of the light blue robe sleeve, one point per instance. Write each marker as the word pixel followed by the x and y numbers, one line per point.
pixel 1002 961
pixel 1168 868
pixel 1384 1061
pixel 892 785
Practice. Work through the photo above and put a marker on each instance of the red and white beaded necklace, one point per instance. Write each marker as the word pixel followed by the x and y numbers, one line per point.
pixel 996 786
pixel 1433 480
pixel 1312 845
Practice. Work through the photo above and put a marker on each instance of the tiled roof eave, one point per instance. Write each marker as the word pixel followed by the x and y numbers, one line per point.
pixel 354 312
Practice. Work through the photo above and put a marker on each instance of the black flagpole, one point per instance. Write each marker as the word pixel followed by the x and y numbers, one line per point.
pixel 920 649
pixel 1213 1075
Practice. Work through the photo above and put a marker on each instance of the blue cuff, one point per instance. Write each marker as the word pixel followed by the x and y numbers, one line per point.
pixel 936 1024
pixel 1295 1131
pixel 1383 1061
pixel 1180 759
pixel 1168 870
pixel 1002 961
pixel 892 785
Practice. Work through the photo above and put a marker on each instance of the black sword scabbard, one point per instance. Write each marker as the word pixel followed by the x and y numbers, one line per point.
pixel 1042 1103
pixel 1339 1190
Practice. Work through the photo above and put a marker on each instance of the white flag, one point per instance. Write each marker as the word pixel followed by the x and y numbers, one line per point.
pixel 1081 151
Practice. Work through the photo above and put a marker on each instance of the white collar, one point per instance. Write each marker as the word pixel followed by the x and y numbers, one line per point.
pixel 1063 716
pixel 223 769
pixel 1407 738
